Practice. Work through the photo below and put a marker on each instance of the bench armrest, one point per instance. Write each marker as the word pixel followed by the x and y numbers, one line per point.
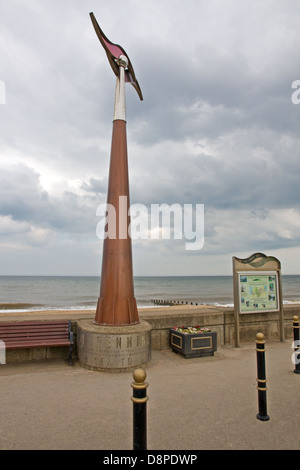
pixel 71 334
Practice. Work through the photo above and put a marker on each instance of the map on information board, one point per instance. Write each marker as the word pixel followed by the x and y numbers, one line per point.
pixel 258 291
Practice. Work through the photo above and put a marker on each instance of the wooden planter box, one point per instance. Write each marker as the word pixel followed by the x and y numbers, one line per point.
pixel 194 344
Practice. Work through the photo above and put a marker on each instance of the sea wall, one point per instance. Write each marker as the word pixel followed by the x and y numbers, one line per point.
pixel 161 319
pixel 221 320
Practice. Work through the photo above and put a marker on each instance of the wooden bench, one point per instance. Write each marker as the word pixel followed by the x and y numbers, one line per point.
pixel 33 334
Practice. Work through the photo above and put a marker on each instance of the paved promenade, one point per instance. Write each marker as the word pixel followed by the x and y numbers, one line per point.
pixel 194 404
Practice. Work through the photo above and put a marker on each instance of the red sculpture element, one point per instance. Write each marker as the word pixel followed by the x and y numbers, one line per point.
pixel 113 52
pixel 116 303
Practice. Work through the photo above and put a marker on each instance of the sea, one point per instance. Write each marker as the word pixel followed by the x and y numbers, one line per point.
pixel 30 293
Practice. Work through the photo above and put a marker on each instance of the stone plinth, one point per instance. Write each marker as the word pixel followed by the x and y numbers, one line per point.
pixel 113 348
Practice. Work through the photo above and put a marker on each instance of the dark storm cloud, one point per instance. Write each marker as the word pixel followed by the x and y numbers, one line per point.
pixel 217 125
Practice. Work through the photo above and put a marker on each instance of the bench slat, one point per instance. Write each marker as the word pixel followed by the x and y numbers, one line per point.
pixel 15 339
pixel 33 327
pixel 34 323
pixel 33 332
pixel 34 336
pixel 35 344
pixel 37 327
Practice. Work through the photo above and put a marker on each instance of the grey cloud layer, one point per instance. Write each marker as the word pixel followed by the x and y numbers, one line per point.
pixel 217 125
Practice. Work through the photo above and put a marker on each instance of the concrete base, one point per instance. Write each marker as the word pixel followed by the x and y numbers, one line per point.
pixel 113 348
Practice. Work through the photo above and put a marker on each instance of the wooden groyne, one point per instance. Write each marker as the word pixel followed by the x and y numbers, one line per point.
pixel 172 302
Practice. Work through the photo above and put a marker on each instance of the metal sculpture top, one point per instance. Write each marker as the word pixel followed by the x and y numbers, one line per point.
pixel 114 52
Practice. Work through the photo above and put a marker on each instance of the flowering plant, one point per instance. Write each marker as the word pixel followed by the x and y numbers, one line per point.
pixel 191 329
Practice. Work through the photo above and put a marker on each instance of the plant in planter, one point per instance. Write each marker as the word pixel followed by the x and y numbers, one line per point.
pixel 193 341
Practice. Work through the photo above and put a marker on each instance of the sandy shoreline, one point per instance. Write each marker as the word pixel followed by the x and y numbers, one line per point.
pixel 144 313
pixel 90 313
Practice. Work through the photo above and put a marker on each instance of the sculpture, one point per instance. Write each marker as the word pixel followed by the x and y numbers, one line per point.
pixel 116 303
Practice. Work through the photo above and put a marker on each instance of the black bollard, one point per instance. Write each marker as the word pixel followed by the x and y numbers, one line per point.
pixel 296 344
pixel 139 399
pixel 261 378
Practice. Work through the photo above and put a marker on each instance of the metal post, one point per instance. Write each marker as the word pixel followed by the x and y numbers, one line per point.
pixel 261 378
pixel 139 399
pixel 296 328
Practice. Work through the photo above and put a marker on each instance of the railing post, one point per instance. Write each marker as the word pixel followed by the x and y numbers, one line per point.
pixel 139 399
pixel 296 344
pixel 261 378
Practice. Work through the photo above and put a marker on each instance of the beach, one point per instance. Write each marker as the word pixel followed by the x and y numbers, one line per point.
pixel 90 313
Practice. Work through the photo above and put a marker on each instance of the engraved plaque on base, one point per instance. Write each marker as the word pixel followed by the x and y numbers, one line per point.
pixel 113 348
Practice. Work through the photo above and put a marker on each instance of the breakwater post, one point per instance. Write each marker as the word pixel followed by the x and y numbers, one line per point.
pixel 139 399
pixel 296 329
pixel 261 378
pixel 172 302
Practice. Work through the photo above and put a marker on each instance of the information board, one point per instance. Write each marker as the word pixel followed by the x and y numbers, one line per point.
pixel 258 291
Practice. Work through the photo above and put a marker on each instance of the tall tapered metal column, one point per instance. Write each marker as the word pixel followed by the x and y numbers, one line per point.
pixel 116 303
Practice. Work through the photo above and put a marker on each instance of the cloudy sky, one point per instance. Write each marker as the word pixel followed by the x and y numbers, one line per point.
pixel 217 127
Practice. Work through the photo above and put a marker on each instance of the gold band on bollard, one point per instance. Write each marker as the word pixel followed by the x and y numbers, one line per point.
pixel 260 339
pixel 296 320
pixel 139 400
pixel 261 382
pixel 139 383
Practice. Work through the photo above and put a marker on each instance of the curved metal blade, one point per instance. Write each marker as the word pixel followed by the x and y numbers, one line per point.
pixel 113 52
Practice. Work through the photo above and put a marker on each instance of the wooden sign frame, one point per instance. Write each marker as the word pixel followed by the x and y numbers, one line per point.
pixel 257 288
